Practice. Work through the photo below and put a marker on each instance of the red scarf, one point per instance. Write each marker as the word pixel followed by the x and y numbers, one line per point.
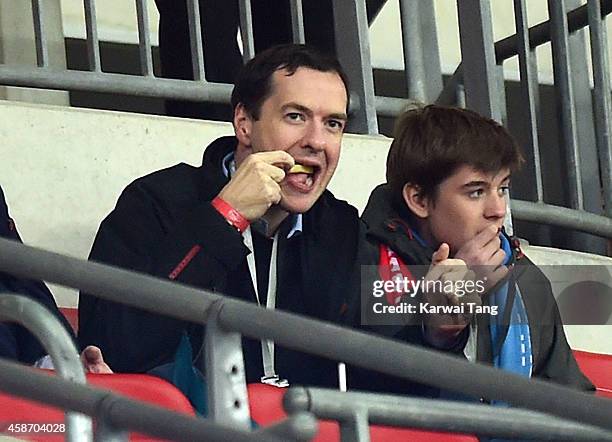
pixel 390 268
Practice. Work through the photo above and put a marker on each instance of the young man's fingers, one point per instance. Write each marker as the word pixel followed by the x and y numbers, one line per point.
pixel 448 266
pixel 470 275
pixel 497 258
pixel 493 278
pixel 455 274
pixel 441 254
pixel 452 299
pixel 485 236
pixel 491 248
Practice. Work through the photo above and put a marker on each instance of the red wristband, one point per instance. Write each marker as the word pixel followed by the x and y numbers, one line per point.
pixel 232 216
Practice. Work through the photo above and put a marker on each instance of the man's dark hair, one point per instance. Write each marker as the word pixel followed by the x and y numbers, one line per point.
pixel 254 82
pixel 432 142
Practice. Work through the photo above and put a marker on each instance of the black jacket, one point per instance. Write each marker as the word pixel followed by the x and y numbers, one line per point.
pixel 159 218
pixel 552 356
pixel 15 341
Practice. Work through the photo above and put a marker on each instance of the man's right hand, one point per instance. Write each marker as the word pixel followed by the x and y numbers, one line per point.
pixel 255 186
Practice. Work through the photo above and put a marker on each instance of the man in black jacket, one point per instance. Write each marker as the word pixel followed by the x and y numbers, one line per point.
pixel 253 222
pixel 438 225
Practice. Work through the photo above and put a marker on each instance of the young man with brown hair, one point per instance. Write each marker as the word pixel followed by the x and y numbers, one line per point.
pixel 439 219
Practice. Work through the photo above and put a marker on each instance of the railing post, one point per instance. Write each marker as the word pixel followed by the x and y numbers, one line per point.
pixel 353 48
pixel 478 58
pixel 105 432
pixel 228 401
pixel 195 39
pixel 246 29
pixel 421 54
pixel 297 21
pixel 144 39
pixel 356 428
pixel 603 100
pixel 42 52
pixel 564 93
pixel 585 127
pixel 93 44
pixel 529 94
pixel 483 78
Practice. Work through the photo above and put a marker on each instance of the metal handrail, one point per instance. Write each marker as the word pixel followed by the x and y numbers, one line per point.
pixel 288 330
pixel 541 33
pixel 432 414
pixel 59 345
pixel 561 216
pixel 115 409
pixel 508 47
pixel 49 78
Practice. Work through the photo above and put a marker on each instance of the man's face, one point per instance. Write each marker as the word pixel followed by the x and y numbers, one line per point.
pixel 305 116
pixel 466 203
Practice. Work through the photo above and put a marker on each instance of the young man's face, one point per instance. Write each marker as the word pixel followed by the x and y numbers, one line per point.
pixel 466 203
pixel 305 116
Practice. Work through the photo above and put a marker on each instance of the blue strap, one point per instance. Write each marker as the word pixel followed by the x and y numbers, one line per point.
pixel 514 354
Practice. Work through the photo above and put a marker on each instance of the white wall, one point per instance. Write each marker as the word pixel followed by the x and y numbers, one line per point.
pixel 62 170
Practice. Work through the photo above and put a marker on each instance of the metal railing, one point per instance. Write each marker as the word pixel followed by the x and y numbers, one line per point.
pixel 356 411
pixel 59 346
pixel 586 146
pixel 114 414
pixel 117 413
pixel 227 319
pixel 478 81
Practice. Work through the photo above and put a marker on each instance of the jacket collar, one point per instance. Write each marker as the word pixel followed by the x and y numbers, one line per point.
pixel 212 179
pixel 386 225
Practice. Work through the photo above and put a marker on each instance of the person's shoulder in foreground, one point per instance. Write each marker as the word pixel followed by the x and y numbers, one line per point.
pixel 265 185
pixel 438 222
pixel 16 342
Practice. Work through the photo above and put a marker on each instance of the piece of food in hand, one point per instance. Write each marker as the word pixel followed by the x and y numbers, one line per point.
pixel 300 168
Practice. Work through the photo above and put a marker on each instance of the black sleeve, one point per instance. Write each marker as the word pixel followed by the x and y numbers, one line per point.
pixel 15 341
pixel 556 361
pixel 147 234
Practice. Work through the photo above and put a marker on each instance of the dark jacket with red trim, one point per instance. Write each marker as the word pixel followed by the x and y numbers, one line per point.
pixel 164 225
pixel 15 341
pixel 552 356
